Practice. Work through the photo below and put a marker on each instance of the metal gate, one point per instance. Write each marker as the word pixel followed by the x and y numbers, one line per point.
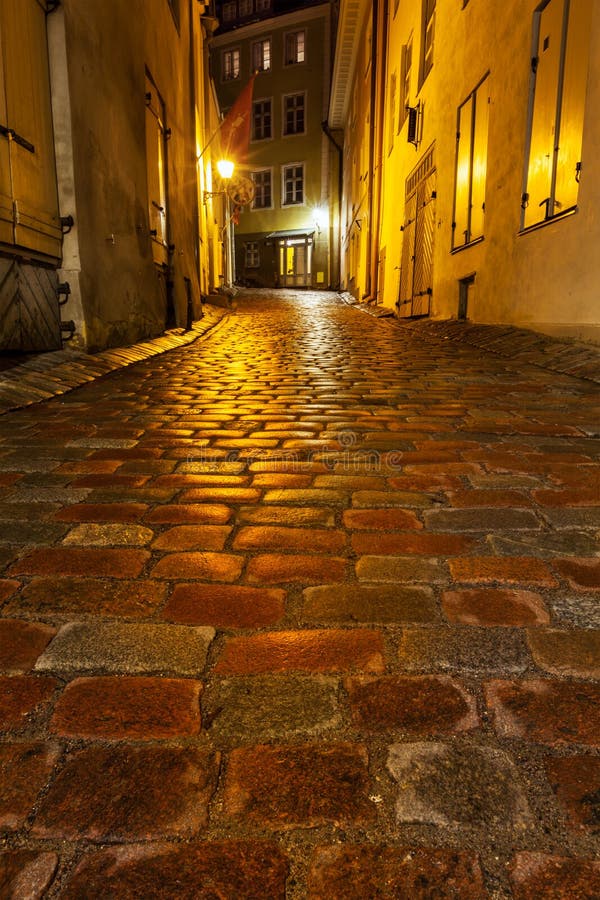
pixel 30 228
pixel 416 268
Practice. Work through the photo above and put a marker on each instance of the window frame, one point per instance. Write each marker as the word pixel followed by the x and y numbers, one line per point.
pixel 251 255
pixel 266 171
pixel 284 113
pixel 427 39
pixel 225 54
pixel 294 35
pixel 229 6
pixel 478 98
pixel 405 81
pixel 262 42
pixel 284 170
pixel 262 101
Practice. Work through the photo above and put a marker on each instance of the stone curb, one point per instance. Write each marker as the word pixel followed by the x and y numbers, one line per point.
pixel 49 375
pixel 567 357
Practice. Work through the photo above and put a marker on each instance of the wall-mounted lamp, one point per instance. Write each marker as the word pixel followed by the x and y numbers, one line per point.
pixel 225 168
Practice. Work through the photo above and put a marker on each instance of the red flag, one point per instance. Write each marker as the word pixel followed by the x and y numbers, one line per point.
pixel 234 137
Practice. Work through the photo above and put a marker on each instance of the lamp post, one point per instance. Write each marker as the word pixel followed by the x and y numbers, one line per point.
pixel 225 168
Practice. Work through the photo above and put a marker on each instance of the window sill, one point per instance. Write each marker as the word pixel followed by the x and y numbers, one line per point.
pixel 472 243
pixel 556 218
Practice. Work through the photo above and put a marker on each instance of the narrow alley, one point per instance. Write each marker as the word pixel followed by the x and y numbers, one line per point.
pixel 308 608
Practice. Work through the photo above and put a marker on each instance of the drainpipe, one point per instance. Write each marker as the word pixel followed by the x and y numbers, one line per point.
pixel 382 56
pixel 340 191
pixel 375 139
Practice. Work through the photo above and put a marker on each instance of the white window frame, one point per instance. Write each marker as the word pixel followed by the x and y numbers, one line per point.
pixel 297 52
pixel 471 167
pixel 251 255
pixel 284 112
pixel 231 54
pixel 261 172
pixel 255 103
pixel 284 170
pixel 553 165
pixel 260 57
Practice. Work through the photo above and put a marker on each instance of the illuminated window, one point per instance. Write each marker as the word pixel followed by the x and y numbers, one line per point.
pixel 262 189
pixel 428 38
pixel 294 48
pixel 293 114
pixel 293 185
pixel 261 55
pixel 471 167
pixel 261 120
pixel 231 65
pixel 251 255
pixel 229 11
pixel 407 55
pixel 559 77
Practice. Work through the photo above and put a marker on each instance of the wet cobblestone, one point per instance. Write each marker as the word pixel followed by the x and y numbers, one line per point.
pixel 307 608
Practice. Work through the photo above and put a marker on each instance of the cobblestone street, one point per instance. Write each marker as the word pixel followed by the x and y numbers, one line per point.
pixel 308 608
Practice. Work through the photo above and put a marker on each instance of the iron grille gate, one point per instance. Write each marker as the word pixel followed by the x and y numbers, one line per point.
pixel 416 269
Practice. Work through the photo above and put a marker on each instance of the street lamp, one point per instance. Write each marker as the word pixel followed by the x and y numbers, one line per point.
pixel 225 168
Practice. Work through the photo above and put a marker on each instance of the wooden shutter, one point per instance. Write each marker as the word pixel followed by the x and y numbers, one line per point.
pixel 463 174
pixel 479 162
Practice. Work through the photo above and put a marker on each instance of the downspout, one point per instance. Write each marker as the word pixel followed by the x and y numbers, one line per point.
pixel 340 191
pixel 368 295
pixel 380 80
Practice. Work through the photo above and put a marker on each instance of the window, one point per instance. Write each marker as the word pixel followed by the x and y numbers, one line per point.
pixel 156 158
pixel 293 185
pixel 261 120
pixel 471 167
pixel 251 255
pixel 245 7
pixel 407 55
pixel 229 12
pixel 293 114
pixel 559 76
pixel 428 38
pixel 231 65
pixel 263 197
pixel 392 112
pixel 263 5
pixel 261 55
pixel 294 47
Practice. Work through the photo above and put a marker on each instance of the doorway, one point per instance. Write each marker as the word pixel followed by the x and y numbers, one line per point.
pixel 295 261
pixel 418 232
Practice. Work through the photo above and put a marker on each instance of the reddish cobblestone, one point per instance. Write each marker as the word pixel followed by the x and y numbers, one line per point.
pixel 358 872
pixel 26 873
pixel 368 603
pixel 128 707
pixel 224 606
pixel 412 544
pixel 547 712
pixel 586 496
pixel 334 650
pixel 73 561
pixel 203 566
pixel 424 705
pixel 495 607
pixel 21 643
pixel 277 538
pixel 208 869
pixel 197 513
pixel 537 875
pixel 21 696
pixel 576 782
pixel 24 770
pixel 8 588
pixel 102 512
pixel 273 568
pixel 193 537
pixel 308 785
pixel 88 596
pixel 567 652
pixel 117 793
pixel 381 520
pixel 510 570
pixel 582 574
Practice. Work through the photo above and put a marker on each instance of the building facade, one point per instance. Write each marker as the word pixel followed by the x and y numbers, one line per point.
pixel 282 236
pixel 104 109
pixel 470 178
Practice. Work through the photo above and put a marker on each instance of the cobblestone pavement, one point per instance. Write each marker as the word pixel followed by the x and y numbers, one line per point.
pixel 307 609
